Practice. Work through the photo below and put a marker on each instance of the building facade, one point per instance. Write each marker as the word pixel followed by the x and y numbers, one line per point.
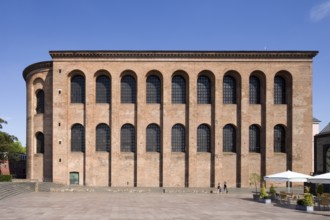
pixel 322 151
pixel 168 118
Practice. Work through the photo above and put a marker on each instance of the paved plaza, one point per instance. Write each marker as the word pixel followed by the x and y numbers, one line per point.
pixel 104 205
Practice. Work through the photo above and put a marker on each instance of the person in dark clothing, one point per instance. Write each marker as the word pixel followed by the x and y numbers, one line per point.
pixel 225 189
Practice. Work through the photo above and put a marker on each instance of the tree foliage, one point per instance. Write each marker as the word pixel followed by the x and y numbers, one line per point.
pixel 9 144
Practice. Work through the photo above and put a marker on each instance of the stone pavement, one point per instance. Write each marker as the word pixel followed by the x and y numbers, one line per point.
pixel 103 205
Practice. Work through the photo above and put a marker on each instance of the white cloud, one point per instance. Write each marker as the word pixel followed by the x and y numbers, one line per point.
pixel 320 11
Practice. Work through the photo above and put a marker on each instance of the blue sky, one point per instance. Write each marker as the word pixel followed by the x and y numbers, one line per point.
pixel 29 29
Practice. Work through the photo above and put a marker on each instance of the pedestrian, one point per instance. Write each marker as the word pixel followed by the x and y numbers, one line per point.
pixel 219 188
pixel 225 189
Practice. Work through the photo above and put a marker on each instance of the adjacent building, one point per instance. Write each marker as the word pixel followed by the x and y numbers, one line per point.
pixel 168 118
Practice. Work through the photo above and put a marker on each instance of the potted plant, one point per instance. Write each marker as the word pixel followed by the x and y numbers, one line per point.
pixel 307 203
pixel 264 195
pixel 272 192
pixel 319 189
pixel 255 181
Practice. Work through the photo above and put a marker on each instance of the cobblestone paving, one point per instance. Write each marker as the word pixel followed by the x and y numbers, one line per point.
pixel 103 205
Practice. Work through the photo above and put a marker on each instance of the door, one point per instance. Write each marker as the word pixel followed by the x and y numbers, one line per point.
pixel 74 178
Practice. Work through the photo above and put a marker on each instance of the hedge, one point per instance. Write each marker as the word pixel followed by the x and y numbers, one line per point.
pixel 5 178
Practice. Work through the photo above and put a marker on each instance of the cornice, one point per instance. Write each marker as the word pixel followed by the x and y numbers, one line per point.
pixel 35 66
pixel 183 54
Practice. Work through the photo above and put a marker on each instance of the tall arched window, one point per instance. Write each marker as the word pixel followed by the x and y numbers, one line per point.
pixel 40 143
pixel 178 90
pixel 103 89
pixel 279 139
pixel 128 89
pixel 127 138
pixel 254 139
pixel 78 138
pixel 203 138
pixel 254 90
pixel 153 138
pixel 178 138
pixel 203 90
pixel 102 137
pixel 279 90
pixel 229 90
pixel 153 89
pixel 77 89
pixel 40 102
pixel 229 138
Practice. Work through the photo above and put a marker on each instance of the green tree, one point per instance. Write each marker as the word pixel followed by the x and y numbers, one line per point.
pixel 9 144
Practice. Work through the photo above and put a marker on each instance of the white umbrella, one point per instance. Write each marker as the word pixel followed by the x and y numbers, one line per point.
pixel 288 176
pixel 323 178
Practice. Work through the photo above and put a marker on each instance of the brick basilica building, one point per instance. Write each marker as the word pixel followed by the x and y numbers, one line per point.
pixel 168 118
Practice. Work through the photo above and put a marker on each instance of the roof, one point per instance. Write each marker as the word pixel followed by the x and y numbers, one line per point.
pixel 315 120
pixel 326 129
pixel 264 54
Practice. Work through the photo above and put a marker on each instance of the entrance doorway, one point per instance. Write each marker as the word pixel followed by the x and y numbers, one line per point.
pixel 74 178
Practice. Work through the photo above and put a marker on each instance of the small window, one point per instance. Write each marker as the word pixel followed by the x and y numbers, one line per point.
pixel 178 138
pixel 279 90
pixel 153 138
pixel 279 139
pixel 229 138
pixel 127 138
pixel 102 137
pixel 178 90
pixel 153 89
pixel 103 89
pixel 203 90
pixel 229 90
pixel 254 97
pixel 128 89
pixel 40 143
pixel 77 138
pixel 77 89
pixel 40 102
pixel 203 138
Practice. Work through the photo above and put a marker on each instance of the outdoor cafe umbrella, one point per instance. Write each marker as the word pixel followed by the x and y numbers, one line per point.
pixel 288 176
pixel 323 178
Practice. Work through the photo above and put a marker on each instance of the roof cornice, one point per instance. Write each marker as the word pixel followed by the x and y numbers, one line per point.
pixel 35 66
pixel 151 54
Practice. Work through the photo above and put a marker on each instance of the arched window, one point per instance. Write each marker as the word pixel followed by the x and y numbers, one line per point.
pixel 178 90
pixel 127 138
pixel 178 138
pixel 77 138
pixel 254 139
pixel 203 138
pixel 153 89
pixel 153 138
pixel 279 90
pixel 40 143
pixel 103 89
pixel 77 89
pixel 203 90
pixel 40 102
pixel 279 139
pixel 128 89
pixel 229 138
pixel 229 90
pixel 102 137
pixel 254 90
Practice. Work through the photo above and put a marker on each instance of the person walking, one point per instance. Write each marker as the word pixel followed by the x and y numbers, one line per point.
pixel 225 189
pixel 219 188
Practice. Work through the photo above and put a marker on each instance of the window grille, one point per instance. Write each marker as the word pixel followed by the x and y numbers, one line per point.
pixel 78 138
pixel 127 138
pixel 254 139
pixel 102 137
pixel 77 89
pixel 279 90
pixel 40 143
pixel 128 89
pixel 229 90
pixel 229 138
pixel 203 138
pixel 40 102
pixel 178 138
pixel 203 90
pixel 103 89
pixel 279 139
pixel 254 90
pixel 178 90
pixel 153 89
pixel 153 138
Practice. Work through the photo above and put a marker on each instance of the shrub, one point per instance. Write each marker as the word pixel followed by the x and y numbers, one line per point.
pixel 272 190
pixel 308 199
pixel 263 193
pixel 319 189
pixel 300 202
pixel 5 178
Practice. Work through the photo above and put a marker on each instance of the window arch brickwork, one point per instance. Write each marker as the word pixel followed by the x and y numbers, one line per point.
pixel 103 89
pixel 127 138
pixel 153 138
pixel 102 137
pixel 153 89
pixel 178 138
pixel 203 138
pixel 77 138
pixel 77 89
